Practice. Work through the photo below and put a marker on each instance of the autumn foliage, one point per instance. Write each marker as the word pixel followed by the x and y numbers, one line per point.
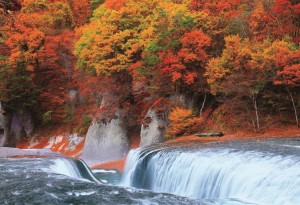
pixel 182 120
pixel 124 55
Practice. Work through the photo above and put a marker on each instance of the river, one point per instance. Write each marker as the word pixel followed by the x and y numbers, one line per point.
pixel 264 172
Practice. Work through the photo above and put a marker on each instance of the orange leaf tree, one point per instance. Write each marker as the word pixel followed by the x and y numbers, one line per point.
pixel 288 74
pixel 244 69
pixel 182 121
pixel 41 41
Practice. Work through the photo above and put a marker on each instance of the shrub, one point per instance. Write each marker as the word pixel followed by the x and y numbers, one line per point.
pixel 182 121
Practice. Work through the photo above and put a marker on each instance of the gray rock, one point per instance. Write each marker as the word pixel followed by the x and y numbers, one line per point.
pixel 2 137
pixel 153 128
pixel 181 100
pixel 21 123
pixel 73 95
pixel 105 142
pixel 1 121
pixel 1 108
pixel 5 124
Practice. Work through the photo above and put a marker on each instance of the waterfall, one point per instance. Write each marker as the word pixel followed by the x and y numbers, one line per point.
pixel 252 176
pixel 73 168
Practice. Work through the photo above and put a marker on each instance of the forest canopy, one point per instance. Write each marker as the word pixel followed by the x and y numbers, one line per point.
pixel 241 54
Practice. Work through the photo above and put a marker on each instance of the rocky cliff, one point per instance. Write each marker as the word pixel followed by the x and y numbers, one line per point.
pixel 105 142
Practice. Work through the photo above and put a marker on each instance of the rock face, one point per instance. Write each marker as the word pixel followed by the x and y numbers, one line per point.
pixel 74 99
pixel 105 142
pixel 153 128
pixel 182 101
pixel 13 126
pixel 2 137
pixel 21 123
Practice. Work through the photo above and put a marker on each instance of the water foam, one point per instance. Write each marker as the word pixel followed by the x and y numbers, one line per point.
pixel 65 167
pixel 249 176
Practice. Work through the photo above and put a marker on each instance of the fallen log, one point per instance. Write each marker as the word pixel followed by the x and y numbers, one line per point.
pixel 210 134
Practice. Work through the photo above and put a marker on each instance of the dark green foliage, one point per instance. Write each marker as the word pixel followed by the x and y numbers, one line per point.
pixel 96 3
pixel 151 60
pixel 18 91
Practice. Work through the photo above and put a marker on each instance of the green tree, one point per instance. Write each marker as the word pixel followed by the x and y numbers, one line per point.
pixel 18 92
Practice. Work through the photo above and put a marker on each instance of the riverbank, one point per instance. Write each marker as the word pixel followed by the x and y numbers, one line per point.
pixel 283 132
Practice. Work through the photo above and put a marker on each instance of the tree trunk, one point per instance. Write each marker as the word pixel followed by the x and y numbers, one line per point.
pixel 203 104
pixel 251 118
pixel 256 111
pixel 294 106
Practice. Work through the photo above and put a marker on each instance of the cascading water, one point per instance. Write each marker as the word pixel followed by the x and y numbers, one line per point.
pixel 66 181
pixel 228 173
pixel 248 172
pixel 73 168
pixel 65 167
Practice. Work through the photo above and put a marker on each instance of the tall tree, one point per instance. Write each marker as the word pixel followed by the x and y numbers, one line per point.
pixel 244 69
pixel 42 41
pixel 288 74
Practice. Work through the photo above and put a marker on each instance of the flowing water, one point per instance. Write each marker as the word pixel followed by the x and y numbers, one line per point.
pixel 234 172
pixel 265 172
pixel 65 181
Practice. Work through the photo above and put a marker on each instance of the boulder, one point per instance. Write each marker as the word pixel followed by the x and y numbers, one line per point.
pixel 105 141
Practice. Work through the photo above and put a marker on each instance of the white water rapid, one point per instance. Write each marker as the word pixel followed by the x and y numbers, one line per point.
pixel 250 175
pixel 73 168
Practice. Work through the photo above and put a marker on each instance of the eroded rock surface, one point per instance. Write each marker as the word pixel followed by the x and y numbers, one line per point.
pixel 2 137
pixel 105 142
pixel 22 123
pixel 153 128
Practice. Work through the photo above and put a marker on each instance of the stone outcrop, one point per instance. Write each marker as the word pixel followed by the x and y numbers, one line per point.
pixel 2 137
pixel 181 101
pixel 74 99
pixel 21 124
pixel 153 127
pixel 13 126
pixel 105 141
